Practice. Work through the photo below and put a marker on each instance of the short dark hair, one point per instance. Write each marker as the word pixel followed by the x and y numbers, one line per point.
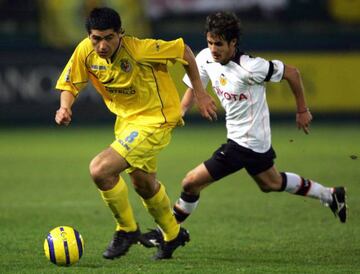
pixel 224 24
pixel 102 19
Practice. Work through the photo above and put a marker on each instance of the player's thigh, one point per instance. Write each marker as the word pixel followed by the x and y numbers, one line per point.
pixel 197 178
pixel 108 162
pixel 227 159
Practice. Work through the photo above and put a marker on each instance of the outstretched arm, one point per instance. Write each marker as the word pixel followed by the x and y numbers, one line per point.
pixel 204 101
pixel 63 114
pixel 187 101
pixel 303 115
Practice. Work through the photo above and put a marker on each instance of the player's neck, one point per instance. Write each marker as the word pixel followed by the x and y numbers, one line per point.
pixel 231 57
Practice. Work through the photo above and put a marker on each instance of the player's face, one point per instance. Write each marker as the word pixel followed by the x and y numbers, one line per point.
pixel 105 42
pixel 221 50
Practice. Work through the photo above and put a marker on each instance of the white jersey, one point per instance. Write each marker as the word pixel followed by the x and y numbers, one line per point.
pixel 240 87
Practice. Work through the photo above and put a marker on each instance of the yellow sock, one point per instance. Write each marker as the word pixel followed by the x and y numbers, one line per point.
pixel 159 207
pixel 118 201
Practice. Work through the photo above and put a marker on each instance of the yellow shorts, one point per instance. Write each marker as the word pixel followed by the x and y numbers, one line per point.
pixel 139 145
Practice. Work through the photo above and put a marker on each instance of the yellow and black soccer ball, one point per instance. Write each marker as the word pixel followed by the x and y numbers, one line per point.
pixel 64 246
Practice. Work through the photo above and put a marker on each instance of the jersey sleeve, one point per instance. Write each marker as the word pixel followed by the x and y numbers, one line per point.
pixel 158 51
pixel 204 77
pixel 262 70
pixel 75 74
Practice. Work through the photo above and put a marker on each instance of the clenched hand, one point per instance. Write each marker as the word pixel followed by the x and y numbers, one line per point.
pixel 63 116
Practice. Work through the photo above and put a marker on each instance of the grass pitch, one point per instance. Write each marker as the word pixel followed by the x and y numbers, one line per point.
pixel 236 229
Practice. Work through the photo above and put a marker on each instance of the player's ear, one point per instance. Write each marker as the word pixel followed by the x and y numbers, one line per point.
pixel 233 42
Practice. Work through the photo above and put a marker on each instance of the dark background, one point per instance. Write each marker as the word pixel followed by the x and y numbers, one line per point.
pixel 38 37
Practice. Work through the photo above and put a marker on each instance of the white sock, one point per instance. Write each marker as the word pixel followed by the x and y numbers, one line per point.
pixel 300 186
pixel 184 206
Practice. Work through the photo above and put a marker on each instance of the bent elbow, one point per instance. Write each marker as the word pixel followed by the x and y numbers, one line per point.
pixel 292 73
pixel 296 72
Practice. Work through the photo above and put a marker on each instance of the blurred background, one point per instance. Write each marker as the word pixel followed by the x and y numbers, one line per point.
pixel 320 37
pixel 44 177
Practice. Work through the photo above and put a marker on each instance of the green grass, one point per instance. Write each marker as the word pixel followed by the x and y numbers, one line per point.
pixel 45 183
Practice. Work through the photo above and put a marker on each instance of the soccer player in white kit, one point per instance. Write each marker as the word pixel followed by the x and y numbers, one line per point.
pixel 238 80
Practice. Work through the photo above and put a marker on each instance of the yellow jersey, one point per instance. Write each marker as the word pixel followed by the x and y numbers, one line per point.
pixel 135 84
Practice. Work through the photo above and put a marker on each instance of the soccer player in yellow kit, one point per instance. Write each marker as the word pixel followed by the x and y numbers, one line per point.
pixel 131 75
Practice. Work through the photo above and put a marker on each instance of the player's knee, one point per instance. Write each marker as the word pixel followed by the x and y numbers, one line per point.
pixel 189 183
pixel 97 171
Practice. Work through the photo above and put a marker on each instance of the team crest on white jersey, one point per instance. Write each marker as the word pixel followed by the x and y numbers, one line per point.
pixel 223 80
pixel 125 65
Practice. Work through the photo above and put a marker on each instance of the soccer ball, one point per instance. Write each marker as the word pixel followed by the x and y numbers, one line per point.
pixel 64 246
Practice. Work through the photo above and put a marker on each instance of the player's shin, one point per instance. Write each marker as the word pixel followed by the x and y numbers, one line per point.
pixel 184 206
pixel 159 207
pixel 296 184
pixel 117 200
